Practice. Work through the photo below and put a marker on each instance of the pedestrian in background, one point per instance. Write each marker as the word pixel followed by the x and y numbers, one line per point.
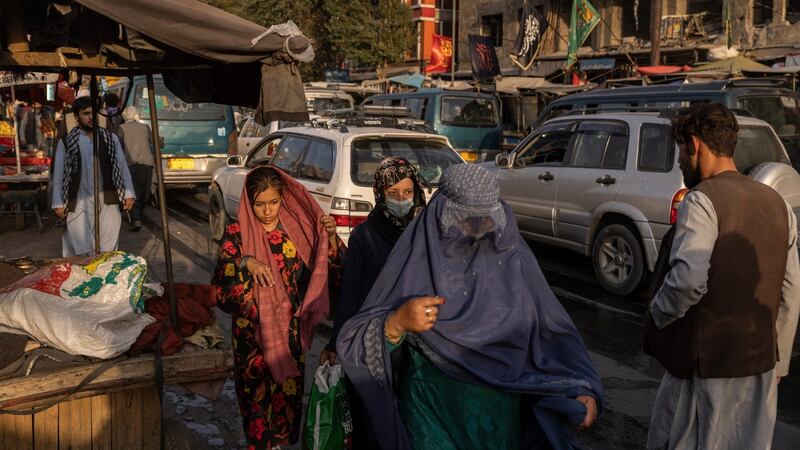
pixel 278 267
pixel 724 319
pixel 31 135
pixel 137 140
pixel 488 358
pixel 73 185
pixel 399 198
pixel 112 118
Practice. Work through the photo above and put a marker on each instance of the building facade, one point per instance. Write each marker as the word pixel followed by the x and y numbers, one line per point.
pixel 430 17
pixel 689 28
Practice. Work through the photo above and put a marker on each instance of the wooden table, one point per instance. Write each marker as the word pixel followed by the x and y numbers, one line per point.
pixel 25 191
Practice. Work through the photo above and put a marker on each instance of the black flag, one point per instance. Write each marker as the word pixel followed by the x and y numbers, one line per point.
pixel 485 65
pixel 531 31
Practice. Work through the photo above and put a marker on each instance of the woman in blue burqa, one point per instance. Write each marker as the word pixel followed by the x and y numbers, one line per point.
pixel 485 357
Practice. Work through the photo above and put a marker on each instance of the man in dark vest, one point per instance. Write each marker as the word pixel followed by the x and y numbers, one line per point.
pixel 723 321
pixel 73 185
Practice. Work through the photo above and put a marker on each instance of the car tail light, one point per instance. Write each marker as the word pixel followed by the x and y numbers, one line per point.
pixel 233 143
pixel 341 209
pixel 676 201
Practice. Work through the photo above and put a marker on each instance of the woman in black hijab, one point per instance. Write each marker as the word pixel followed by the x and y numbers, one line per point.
pixel 399 198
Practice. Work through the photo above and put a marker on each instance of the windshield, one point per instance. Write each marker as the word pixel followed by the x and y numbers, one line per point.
pixel 779 111
pixel 430 158
pixel 469 111
pixel 320 104
pixel 170 107
pixel 757 145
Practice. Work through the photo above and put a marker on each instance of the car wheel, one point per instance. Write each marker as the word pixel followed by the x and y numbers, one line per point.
pixel 217 216
pixel 618 259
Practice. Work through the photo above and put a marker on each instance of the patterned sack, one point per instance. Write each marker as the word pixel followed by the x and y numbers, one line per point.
pixel 92 309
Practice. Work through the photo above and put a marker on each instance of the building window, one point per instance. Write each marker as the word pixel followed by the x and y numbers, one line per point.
pixel 492 26
pixel 762 12
pixel 793 11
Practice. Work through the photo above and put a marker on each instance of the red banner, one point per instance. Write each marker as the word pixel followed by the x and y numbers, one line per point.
pixel 441 55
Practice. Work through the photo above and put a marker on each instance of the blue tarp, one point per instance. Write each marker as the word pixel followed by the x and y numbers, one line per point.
pixel 413 80
pixel 597 64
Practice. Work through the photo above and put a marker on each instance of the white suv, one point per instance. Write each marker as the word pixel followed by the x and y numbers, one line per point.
pixel 336 161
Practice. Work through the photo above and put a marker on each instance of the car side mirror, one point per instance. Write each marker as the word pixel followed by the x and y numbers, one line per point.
pixel 502 159
pixel 234 161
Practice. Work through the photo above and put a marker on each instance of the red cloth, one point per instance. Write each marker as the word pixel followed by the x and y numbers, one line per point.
pixel 193 301
pixel 661 70
pixel 300 216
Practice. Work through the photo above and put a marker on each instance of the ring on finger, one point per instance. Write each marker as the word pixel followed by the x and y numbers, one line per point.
pixel 428 312
pixel 430 319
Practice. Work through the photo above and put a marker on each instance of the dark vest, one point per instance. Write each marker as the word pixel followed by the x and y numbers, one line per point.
pixel 109 196
pixel 731 331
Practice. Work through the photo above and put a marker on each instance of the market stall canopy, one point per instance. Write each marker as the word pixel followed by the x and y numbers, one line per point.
pixel 204 53
pixel 516 85
pixel 413 80
pixel 448 85
pixel 662 70
pixel 734 65
pixel 8 79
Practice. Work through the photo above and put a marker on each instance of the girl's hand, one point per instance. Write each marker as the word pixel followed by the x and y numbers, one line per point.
pixel 261 272
pixel 330 227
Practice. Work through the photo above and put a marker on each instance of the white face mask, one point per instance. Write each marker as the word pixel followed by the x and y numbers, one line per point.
pixel 399 208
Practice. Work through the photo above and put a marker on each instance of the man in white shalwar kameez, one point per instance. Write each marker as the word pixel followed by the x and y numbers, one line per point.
pixel 724 319
pixel 73 185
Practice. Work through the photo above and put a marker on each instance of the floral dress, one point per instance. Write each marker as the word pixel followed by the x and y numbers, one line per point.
pixel 271 412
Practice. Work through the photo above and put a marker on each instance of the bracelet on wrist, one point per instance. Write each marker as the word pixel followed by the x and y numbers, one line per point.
pixel 392 338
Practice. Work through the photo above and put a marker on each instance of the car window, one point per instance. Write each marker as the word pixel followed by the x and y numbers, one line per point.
pixel 318 162
pixel 779 111
pixel 469 111
pixel 261 153
pixel 757 145
pixel 656 148
pixel 288 154
pixel 248 129
pixel 548 147
pixel 416 106
pixel 430 158
pixel 600 145
pixel 260 131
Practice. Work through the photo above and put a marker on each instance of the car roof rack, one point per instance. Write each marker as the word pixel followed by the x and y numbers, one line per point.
pixel 368 116
pixel 667 112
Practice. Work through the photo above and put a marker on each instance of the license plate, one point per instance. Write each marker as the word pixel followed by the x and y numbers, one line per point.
pixel 180 163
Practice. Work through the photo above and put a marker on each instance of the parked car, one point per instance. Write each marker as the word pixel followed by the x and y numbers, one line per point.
pixel 608 186
pixel 320 100
pixel 470 120
pixel 336 164
pixel 250 135
pixel 764 99
pixel 197 135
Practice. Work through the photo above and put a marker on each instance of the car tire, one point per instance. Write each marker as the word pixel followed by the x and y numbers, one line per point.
pixel 218 218
pixel 618 259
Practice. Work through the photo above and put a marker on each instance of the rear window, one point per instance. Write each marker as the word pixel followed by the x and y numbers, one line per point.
pixel 656 148
pixel 779 111
pixel 320 104
pixel 430 158
pixel 469 111
pixel 757 145
pixel 170 107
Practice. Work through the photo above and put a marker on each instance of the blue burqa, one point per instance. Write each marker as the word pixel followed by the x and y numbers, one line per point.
pixel 501 326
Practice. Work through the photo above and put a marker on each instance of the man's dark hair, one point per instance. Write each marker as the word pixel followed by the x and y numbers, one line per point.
pixel 111 100
pixel 81 103
pixel 714 123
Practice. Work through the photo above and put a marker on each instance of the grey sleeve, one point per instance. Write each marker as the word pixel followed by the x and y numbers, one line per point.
pixel 56 184
pixel 687 282
pixel 789 310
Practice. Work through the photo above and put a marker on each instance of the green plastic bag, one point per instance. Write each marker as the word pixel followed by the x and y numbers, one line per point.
pixel 329 425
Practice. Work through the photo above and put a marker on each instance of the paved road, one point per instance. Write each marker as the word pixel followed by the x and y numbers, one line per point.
pixel 611 327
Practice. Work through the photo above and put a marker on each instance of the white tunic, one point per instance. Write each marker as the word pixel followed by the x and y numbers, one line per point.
pixel 79 237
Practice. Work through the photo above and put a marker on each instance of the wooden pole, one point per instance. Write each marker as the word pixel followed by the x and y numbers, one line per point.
pixel 656 7
pixel 16 128
pixel 162 199
pixel 94 96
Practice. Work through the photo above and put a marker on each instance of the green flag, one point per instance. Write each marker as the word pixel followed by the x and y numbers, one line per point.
pixel 584 19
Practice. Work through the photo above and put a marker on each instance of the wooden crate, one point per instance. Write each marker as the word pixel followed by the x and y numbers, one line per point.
pixel 118 410
pixel 125 419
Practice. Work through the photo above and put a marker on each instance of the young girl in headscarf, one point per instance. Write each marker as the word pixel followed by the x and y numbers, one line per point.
pixel 399 197
pixel 491 359
pixel 278 266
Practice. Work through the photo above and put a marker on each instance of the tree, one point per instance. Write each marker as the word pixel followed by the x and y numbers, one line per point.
pixel 395 32
pixel 348 31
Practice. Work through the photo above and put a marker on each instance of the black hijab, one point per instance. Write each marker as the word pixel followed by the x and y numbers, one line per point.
pixel 390 172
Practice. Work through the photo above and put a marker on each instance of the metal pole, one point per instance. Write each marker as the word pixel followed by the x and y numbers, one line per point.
pixel 162 199
pixel 16 127
pixel 453 17
pixel 93 95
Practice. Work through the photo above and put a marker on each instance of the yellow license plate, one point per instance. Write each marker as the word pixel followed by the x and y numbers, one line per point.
pixel 469 156
pixel 180 163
